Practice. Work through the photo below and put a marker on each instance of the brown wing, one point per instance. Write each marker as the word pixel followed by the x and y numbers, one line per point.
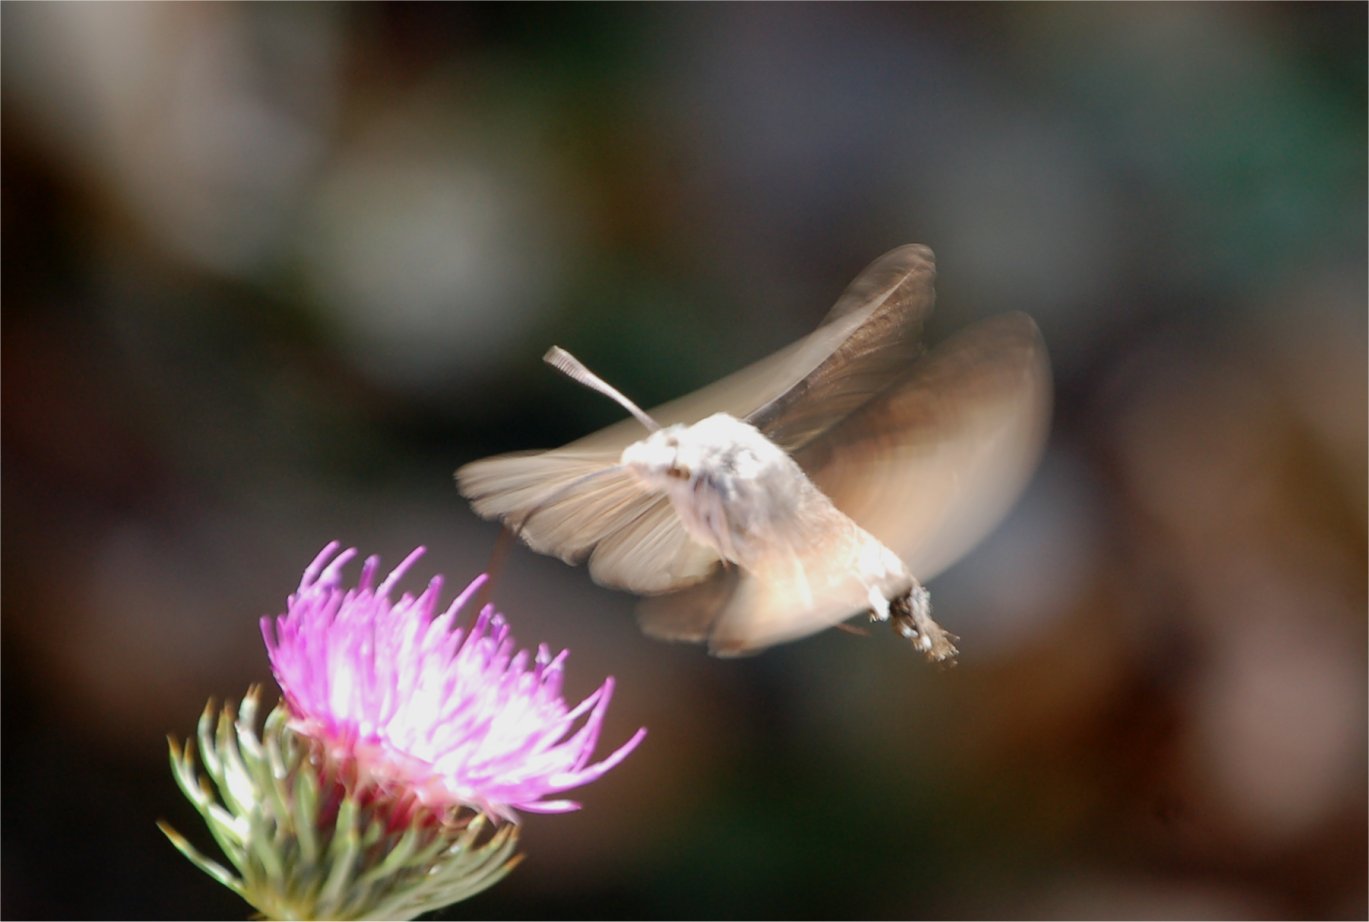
pixel 869 337
pixel 933 463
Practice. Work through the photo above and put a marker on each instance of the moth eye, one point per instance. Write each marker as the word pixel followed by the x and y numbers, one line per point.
pixel 677 472
pixel 672 442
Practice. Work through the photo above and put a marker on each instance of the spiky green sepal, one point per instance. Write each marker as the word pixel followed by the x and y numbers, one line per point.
pixel 308 841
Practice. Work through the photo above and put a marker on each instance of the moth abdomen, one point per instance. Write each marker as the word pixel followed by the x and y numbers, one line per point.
pixel 910 615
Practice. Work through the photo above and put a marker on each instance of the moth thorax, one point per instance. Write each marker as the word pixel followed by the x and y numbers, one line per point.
pixel 726 481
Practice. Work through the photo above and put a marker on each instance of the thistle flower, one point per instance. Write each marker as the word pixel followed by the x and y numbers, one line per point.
pixel 389 781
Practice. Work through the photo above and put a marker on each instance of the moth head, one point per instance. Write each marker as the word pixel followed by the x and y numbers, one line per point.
pixel 710 453
pixel 666 456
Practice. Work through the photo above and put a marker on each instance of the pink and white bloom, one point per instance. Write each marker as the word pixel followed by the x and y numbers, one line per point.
pixel 420 706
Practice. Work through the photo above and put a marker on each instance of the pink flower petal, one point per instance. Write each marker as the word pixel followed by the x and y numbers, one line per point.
pixel 458 716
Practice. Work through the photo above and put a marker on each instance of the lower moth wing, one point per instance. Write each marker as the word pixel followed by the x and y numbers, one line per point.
pixel 652 554
pixel 809 583
pixel 688 616
pixel 734 613
pixel 931 464
pixel 581 506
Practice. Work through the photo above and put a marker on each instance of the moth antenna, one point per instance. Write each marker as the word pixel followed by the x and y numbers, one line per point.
pixel 574 369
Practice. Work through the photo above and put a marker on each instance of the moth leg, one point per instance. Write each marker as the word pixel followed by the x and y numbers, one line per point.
pixel 912 618
pixel 879 605
pixel 495 568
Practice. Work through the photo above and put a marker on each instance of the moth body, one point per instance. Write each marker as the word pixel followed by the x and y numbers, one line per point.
pixel 732 488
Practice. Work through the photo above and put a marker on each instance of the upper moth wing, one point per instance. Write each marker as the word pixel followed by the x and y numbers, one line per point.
pixel 579 505
pixel 934 462
pixel 869 335
pixel 631 538
pixel 873 335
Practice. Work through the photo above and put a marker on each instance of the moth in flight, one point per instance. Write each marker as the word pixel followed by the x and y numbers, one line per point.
pixel 827 480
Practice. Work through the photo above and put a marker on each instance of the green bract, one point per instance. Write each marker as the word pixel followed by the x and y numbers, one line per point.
pixel 308 842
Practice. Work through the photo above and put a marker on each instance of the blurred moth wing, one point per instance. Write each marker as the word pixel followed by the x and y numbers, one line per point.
pixel 933 463
pixel 910 454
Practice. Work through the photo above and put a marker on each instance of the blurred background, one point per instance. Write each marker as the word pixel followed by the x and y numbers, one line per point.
pixel 273 271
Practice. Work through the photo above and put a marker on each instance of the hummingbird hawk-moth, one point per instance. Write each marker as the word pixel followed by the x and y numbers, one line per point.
pixel 824 481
